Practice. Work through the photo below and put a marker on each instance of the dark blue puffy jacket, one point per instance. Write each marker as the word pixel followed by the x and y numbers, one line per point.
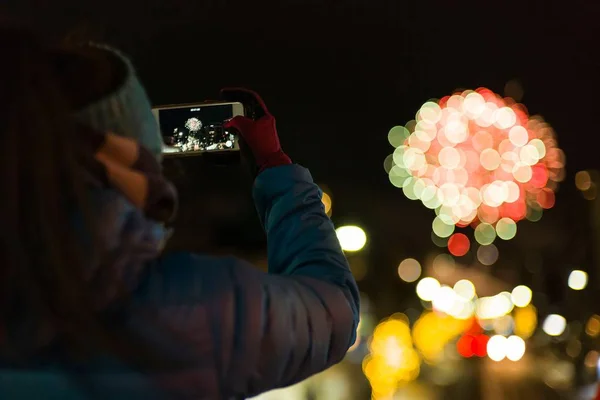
pixel 247 331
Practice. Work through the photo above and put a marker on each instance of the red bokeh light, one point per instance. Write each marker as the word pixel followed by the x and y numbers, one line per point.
pixel 470 345
pixel 480 345
pixel 465 346
pixel 459 244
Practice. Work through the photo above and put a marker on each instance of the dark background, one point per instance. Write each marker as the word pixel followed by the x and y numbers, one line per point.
pixel 338 75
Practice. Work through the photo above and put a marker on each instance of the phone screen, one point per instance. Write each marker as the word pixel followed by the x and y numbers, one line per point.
pixel 191 129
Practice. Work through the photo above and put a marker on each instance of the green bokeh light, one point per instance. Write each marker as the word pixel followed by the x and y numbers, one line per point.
pixel 399 176
pixel 534 214
pixel 398 135
pixel 506 228
pixel 441 228
pixel 485 234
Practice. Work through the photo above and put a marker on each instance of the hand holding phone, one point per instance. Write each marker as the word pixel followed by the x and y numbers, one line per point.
pixel 192 129
pixel 259 135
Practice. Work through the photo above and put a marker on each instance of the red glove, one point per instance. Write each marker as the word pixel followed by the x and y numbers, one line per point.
pixel 259 136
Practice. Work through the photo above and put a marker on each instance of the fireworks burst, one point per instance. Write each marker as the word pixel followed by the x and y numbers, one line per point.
pixel 477 159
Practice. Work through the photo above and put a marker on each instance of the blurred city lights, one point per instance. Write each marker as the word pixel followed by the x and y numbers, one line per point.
pixel 504 325
pixel 493 307
pixel 472 345
pixel 459 244
pixel 506 228
pixel 409 270
pixel 465 289
pixel 427 288
pixel 476 158
pixel 434 331
pixel 444 299
pixel 487 255
pixel 496 348
pixel 592 328
pixel 525 321
pixel 521 296
pixel 583 180
pixel 591 359
pixel 326 200
pixel 578 280
pixel 554 325
pixel 392 359
pixel 515 348
pixel 443 264
pixel 352 238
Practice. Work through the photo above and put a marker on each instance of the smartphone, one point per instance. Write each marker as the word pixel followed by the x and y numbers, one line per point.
pixel 192 129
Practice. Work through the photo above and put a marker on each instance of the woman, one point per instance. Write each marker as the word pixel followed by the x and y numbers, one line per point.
pixel 89 306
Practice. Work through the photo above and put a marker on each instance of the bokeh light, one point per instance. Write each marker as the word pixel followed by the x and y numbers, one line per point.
pixel 578 280
pixel 459 244
pixel 554 325
pixel 433 331
pixel 496 348
pixel 592 328
pixel 409 270
pixel 506 228
pixel 525 321
pixel 487 255
pixel 465 289
pixel 521 296
pixel 352 238
pixel 392 359
pixel 477 159
pixel 583 180
pixel 427 288
pixel 515 348
pixel 326 200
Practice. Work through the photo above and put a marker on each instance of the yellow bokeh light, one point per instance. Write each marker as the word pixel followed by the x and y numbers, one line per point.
pixel 592 328
pixel 326 200
pixel 521 296
pixel 578 280
pixel 525 321
pixel 433 331
pixel 591 359
pixel 583 180
pixel 392 360
pixel 591 193
pixel 352 238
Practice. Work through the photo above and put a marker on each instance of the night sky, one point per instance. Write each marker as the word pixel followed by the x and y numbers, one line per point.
pixel 338 76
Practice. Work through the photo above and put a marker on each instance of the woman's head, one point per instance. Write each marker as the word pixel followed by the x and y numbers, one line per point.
pixel 46 94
